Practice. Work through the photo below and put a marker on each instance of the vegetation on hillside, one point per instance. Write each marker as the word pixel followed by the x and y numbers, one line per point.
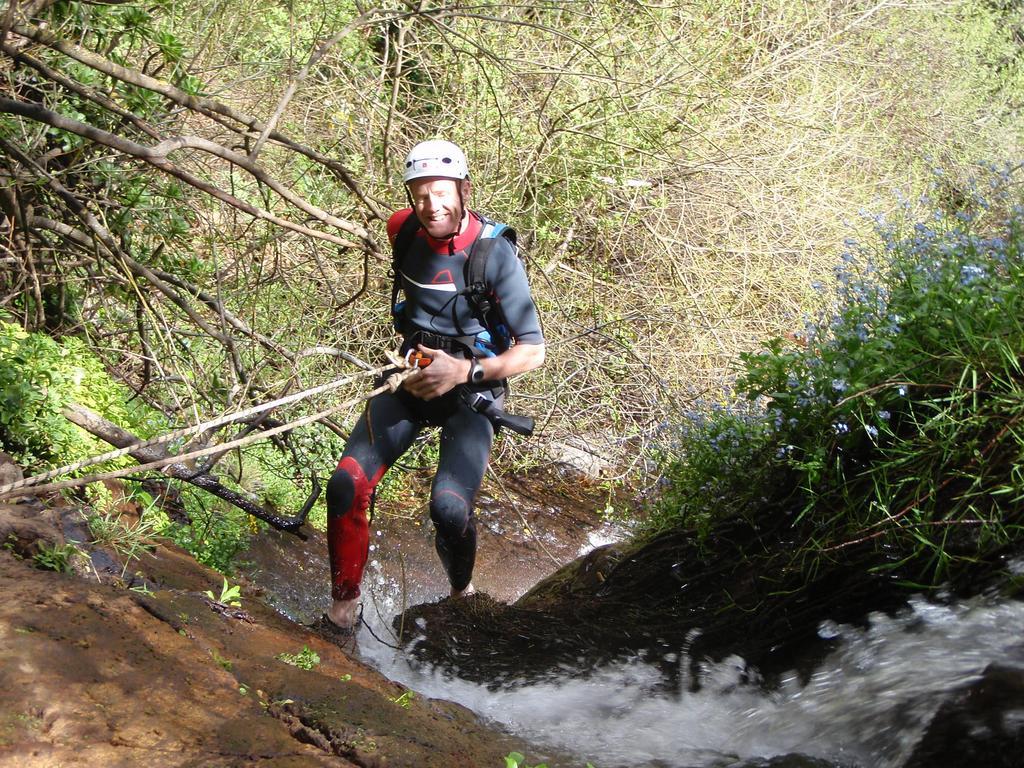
pixel 894 418
pixel 197 193
pixel 40 377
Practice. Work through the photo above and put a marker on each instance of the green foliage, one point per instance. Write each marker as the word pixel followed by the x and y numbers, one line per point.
pixel 216 535
pixel 280 480
pixel 895 420
pixel 230 594
pixel 56 557
pixel 38 377
pixel 127 539
pixel 404 700
pixel 304 659
pixel 223 663
pixel 517 760
pixel 718 464
pixel 124 34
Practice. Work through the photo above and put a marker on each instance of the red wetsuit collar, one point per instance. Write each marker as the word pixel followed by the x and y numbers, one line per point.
pixel 462 241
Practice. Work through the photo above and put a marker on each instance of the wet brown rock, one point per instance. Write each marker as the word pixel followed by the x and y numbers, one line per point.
pixel 10 472
pixel 26 530
pixel 91 674
pixel 982 723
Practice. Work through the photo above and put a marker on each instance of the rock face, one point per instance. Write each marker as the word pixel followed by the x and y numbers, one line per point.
pixel 93 673
pixel 981 724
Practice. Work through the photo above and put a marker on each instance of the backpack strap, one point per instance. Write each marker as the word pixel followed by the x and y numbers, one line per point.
pixel 476 291
pixel 492 228
pixel 476 263
pixel 403 241
pixel 481 297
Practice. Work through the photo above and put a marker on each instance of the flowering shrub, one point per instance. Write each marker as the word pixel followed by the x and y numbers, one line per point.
pixel 718 464
pixel 896 417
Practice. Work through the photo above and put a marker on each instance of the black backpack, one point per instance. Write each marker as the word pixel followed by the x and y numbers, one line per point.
pixel 482 300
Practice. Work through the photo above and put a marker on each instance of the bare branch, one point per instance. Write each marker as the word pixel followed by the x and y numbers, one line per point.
pixel 314 58
pixel 75 87
pixel 222 114
pixel 117 255
pixel 111 433
pixel 156 156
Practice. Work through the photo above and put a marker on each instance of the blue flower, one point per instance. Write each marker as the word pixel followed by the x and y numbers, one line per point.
pixel 971 273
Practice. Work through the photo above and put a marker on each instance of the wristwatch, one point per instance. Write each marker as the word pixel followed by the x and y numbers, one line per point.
pixel 476 372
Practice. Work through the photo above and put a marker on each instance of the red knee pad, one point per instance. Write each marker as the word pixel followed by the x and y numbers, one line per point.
pixel 348 535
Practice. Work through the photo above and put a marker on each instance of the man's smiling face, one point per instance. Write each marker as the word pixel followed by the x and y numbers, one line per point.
pixel 438 206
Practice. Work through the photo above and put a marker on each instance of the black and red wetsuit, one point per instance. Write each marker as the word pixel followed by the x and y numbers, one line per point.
pixel 432 278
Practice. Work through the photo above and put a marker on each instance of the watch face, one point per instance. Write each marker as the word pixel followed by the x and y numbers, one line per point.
pixel 476 372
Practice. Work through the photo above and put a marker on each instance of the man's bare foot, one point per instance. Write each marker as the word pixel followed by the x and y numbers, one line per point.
pixel 344 613
pixel 466 592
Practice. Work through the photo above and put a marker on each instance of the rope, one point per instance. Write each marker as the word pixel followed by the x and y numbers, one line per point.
pixel 118 453
pixel 392 384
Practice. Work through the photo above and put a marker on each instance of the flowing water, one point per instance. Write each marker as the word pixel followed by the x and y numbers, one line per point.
pixel 866 704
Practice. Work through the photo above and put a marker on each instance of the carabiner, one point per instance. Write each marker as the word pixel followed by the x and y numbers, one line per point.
pixel 416 359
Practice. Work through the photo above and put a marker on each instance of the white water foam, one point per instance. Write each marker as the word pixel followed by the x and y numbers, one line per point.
pixel 867 705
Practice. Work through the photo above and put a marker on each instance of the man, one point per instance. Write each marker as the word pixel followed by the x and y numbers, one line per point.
pixel 437 321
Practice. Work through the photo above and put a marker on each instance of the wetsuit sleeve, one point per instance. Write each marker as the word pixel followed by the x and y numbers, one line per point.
pixel 507 278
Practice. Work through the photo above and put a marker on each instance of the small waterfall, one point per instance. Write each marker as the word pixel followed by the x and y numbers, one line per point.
pixel 867 704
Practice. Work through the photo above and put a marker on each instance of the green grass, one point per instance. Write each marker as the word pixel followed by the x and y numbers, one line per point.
pixel 304 659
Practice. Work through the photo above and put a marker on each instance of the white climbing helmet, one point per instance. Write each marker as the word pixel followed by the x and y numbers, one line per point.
pixel 435 158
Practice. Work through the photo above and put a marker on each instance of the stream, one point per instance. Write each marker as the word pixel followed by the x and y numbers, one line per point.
pixel 866 705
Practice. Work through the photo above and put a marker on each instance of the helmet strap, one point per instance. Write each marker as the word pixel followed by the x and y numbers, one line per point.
pixel 458 227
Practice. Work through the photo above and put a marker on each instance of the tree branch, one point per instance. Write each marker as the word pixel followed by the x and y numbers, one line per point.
pixel 109 432
pixel 293 86
pixel 222 114
pixel 75 87
pixel 156 156
pixel 119 258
